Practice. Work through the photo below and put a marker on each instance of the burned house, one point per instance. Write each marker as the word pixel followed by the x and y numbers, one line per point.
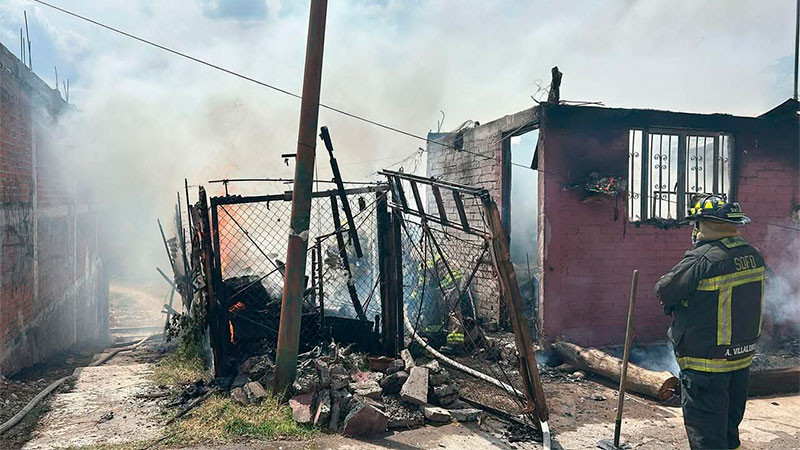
pixel 588 194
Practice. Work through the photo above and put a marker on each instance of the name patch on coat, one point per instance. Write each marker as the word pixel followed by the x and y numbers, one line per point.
pixel 745 262
pixel 740 350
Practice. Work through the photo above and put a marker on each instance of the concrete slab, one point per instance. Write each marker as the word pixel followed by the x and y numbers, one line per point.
pixel 74 418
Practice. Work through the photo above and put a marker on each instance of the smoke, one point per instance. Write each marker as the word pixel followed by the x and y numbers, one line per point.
pixel 782 287
pixel 144 120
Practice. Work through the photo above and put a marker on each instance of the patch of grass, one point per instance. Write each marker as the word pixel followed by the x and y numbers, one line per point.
pixel 220 419
pixel 186 364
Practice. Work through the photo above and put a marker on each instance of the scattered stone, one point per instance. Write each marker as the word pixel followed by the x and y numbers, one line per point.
pixel 339 381
pixel 301 407
pixel 368 388
pixel 240 380
pixel 433 366
pixel 323 407
pixel 415 389
pixel 256 367
pixel 437 379
pixel 365 419
pixel 254 391
pixel 106 417
pixel 408 360
pixel 598 398
pixel 392 384
pixel 238 395
pixel 305 384
pixel 444 390
pixel 323 373
pixel 578 375
pixel 395 366
pixel 401 415
pixel 436 414
pixel 466 415
pixel 380 363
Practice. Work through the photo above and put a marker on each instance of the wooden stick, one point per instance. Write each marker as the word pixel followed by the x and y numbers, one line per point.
pixel 626 354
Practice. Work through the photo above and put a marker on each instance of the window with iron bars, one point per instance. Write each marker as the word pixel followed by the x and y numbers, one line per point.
pixel 667 168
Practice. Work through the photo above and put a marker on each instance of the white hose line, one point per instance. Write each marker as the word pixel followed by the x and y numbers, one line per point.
pixel 458 366
pixel 12 422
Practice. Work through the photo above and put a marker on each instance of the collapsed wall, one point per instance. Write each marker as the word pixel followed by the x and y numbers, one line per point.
pixel 53 289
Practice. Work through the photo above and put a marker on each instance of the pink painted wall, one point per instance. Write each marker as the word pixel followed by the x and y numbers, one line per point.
pixel 588 257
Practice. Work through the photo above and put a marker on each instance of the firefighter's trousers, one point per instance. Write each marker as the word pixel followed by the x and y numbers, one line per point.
pixel 713 406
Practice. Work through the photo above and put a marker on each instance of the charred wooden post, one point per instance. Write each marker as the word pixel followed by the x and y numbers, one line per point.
pixel 203 227
pixel 658 385
pixel 337 178
pixel 501 257
pixel 351 287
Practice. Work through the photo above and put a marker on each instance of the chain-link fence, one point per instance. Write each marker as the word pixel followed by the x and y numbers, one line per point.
pixel 251 237
pixel 456 275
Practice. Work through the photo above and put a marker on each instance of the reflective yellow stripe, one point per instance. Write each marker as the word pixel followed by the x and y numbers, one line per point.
pixel 731 280
pixel 761 311
pixel 733 242
pixel 713 365
pixel 724 317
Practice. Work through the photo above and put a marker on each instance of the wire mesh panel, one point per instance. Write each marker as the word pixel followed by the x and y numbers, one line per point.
pixel 452 288
pixel 251 236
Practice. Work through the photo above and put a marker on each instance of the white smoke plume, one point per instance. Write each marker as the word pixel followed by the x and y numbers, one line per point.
pixel 144 119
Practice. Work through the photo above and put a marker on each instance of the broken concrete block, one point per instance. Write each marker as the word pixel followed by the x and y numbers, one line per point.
pixel 444 390
pixel 408 360
pixel 415 389
pixel 256 367
pixel 323 412
pixel 301 407
pixel 238 395
pixel 365 419
pixel 395 366
pixel 436 414
pixel 433 366
pixel 240 380
pixel 368 388
pixel 401 415
pixel 254 391
pixel 393 383
pixel 466 415
pixel 323 373
pixel 439 378
pixel 305 384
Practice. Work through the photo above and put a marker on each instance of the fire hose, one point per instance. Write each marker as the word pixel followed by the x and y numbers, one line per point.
pixel 481 376
pixel 12 422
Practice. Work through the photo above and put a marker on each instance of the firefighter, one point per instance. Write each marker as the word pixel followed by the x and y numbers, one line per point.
pixel 715 297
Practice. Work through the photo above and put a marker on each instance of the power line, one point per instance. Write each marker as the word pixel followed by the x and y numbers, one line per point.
pixel 230 72
pixel 266 85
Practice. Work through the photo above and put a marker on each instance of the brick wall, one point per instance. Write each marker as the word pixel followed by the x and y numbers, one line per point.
pixel 588 256
pixel 585 254
pixel 53 292
pixel 476 156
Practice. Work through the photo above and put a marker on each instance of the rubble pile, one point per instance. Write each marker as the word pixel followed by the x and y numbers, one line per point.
pixel 335 391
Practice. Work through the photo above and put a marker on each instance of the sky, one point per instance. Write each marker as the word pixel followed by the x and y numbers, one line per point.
pixel 143 120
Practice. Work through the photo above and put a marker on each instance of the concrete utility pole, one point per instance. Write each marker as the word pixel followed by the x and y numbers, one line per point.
pixel 291 306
